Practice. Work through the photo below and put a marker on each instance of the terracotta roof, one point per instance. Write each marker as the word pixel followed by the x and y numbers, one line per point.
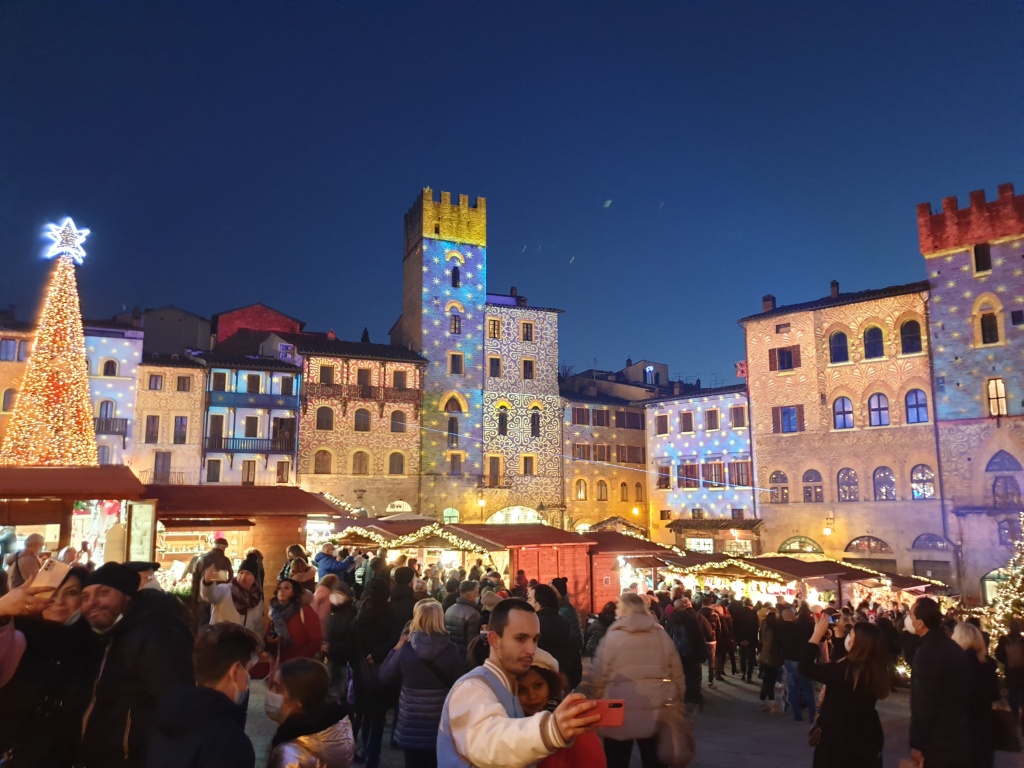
pixel 801 569
pixel 319 344
pixel 714 524
pixel 599 399
pixel 732 389
pixel 216 315
pixel 613 542
pixel 172 361
pixel 520 535
pixel 236 501
pixel 843 298
pixel 214 360
pixel 80 483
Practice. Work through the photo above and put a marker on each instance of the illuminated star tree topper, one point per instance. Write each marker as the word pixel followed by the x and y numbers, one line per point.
pixel 67 240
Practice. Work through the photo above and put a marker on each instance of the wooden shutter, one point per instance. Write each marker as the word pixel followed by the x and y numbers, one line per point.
pixel 799 418
pixel 796 355
pixel 773 359
pixel 776 418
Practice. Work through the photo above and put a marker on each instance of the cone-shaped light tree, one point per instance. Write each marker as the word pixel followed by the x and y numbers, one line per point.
pixel 52 422
pixel 1009 597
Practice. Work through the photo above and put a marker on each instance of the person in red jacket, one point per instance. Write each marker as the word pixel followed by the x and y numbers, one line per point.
pixel 294 628
pixel 540 689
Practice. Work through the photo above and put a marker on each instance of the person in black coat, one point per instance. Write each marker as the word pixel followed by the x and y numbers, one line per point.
pixel 555 635
pixel 698 634
pixel 851 733
pixel 376 631
pixel 402 596
pixel 938 708
pixel 147 638
pixel 983 691
pixel 715 623
pixel 744 628
pixel 204 726
pixel 340 637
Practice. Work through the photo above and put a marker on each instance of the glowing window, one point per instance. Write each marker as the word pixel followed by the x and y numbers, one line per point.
pixel 922 482
pixel 813 489
pixel 848 485
pixel 869 545
pixel 581 490
pixel 885 484
pixel 778 488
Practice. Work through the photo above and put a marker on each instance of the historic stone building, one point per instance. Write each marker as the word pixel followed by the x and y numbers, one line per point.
pixel 975 261
pixel 701 479
pixel 843 421
pixel 15 345
pixel 359 419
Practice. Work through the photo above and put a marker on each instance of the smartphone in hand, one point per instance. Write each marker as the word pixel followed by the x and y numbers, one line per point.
pixel 51 574
pixel 612 712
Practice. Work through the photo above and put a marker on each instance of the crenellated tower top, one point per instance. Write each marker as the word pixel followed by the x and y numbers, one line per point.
pixel 462 223
pixel 981 222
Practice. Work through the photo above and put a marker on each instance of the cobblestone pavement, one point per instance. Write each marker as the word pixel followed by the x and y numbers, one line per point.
pixel 730 732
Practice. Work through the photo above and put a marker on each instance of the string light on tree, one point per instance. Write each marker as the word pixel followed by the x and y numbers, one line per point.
pixel 1009 598
pixel 52 422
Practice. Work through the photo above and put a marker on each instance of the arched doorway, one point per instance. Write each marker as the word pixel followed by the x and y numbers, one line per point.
pixel 398 506
pixel 517 515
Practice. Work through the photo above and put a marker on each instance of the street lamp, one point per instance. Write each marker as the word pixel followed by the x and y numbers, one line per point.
pixel 830 523
pixel 636 510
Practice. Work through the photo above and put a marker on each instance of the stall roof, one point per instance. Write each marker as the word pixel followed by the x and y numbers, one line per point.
pixel 236 501
pixel 802 569
pixel 615 543
pixel 78 483
pixel 612 522
pixel 504 536
pixel 714 524
pixel 390 529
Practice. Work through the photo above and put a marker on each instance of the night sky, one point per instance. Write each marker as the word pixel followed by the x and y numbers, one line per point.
pixel 652 168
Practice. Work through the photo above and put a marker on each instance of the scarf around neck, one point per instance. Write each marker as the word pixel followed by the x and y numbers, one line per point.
pixel 280 615
pixel 244 600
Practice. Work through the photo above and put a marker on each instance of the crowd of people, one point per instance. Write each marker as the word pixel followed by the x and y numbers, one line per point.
pixel 108 670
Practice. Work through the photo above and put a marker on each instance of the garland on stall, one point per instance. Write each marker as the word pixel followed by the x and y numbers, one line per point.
pixel 757 573
pixel 672 547
pixel 374 536
pixel 438 529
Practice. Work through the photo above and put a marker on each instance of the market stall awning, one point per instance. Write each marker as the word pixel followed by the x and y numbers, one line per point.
pixel 714 524
pixel 608 542
pixel 75 483
pixel 727 567
pixel 506 536
pixel 615 523
pixel 236 501
pixel 800 570
pixel 207 523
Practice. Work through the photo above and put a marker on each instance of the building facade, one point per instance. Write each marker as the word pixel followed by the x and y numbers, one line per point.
pixel 114 353
pixel 15 347
pixel 169 413
pixel 844 435
pixel 702 469
pixel 975 269
pixel 359 419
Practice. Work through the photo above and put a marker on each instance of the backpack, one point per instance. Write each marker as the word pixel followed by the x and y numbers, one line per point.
pixel 681 639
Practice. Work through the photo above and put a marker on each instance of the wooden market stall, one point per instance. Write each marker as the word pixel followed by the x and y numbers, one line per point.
pixel 616 556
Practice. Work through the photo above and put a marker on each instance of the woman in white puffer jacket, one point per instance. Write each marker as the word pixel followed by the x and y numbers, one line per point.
pixel 636 661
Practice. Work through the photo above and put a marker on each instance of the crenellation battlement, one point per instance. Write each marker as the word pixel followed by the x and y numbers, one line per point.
pixel 980 222
pixel 442 220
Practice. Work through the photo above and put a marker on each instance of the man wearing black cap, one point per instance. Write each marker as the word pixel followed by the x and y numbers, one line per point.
pixel 147 639
pixel 147 573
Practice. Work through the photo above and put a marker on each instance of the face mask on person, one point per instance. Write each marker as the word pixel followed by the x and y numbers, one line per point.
pixel 336 598
pixel 70 620
pixel 848 642
pixel 908 624
pixel 272 706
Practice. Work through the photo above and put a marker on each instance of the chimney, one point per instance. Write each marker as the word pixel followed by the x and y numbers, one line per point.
pixel 835 289
pixel 629 362
pixel 512 291
pixel 330 335
pixel 767 303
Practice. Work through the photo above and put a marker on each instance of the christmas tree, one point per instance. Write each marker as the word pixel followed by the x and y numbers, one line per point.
pixel 52 423
pixel 1009 598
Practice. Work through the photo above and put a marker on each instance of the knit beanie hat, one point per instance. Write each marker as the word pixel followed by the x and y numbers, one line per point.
pixel 116 575
pixel 561 585
pixel 404 575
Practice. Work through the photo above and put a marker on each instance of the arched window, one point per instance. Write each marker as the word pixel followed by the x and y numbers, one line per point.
pixel 885 484
pixel 324 417
pixel 917 407
pixel 813 490
pixel 450 516
pixel 503 421
pixel 535 422
pixel 638 491
pixel 398 421
pixel 910 337
pixel 922 482
pixel 581 490
pixel 778 488
pixel 360 463
pixel 842 413
pixel 989 324
pixel 107 409
pixel 801 544
pixel 456 282
pixel 847 485
pixel 322 463
pixel 455 323
pixel 874 343
pixel 623 492
pixel 453 432
pixel 362 420
pixel 396 464
pixel 838 348
pixel 870 545
pixel 9 397
pixel 932 541
pixel 452 406
pixel 878 410
pixel 1006 492
pixel 602 490
pixel 110 368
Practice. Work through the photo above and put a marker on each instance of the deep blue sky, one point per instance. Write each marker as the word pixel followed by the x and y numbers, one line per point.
pixel 225 152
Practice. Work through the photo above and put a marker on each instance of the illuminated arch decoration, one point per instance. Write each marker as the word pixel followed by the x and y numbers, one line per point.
pixel 515 515
pixel 442 403
pixel 803 544
pixel 454 255
pixel 503 403
pixel 535 404
pixel 1003 462
pixel 458 305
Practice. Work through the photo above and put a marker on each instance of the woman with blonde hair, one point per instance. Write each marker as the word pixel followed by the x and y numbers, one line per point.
pixel 984 689
pixel 427 663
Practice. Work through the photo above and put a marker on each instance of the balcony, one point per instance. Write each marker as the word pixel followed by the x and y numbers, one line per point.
pixel 152 477
pixel 363 392
pixel 253 400
pixel 248 445
pixel 111 427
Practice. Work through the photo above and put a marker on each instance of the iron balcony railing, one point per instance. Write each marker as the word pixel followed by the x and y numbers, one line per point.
pixel 248 445
pixel 363 392
pixel 153 477
pixel 111 426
